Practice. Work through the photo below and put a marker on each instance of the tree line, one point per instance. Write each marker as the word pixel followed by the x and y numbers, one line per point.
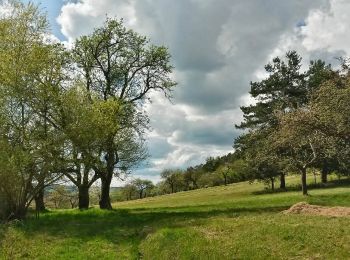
pixel 74 114
pixel 221 170
pixel 300 121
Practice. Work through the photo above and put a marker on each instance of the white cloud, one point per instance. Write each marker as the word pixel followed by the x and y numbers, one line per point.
pixel 218 47
pixel 328 29
pixel 80 18
pixel 5 9
pixel 323 34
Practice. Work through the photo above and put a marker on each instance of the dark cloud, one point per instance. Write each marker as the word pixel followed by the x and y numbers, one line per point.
pixel 250 29
pixel 158 147
pixel 189 28
pixel 330 57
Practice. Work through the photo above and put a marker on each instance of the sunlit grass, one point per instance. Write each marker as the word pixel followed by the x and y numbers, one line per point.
pixel 226 222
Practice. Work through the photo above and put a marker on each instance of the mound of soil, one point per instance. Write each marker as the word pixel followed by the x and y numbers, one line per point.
pixel 305 208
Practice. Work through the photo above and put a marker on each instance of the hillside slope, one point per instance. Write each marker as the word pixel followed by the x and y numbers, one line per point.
pixel 226 222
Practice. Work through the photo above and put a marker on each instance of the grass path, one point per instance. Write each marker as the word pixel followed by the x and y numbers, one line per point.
pixel 227 222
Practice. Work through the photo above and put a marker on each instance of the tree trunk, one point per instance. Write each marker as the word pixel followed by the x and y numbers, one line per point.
pixel 272 184
pixel 17 211
pixel 106 177
pixel 282 181
pixel 303 181
pixel 315 178
pixel 141 194
pixel 324 174
pixel 105 201
pixel 19 214
pixel 84 197
pixel 39 201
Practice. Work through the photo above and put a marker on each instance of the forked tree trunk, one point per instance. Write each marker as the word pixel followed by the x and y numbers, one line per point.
pixel 225 179
pixel 282 181
pixel 105 201
pixel 303 181
pixel 39 201
pixel 84 196
pixel 72 203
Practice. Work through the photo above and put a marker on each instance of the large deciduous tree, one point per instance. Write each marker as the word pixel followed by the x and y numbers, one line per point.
pixel 118 65
pixel 29 71
pixel 77 113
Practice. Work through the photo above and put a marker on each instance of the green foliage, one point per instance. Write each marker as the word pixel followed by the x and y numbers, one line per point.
pixel 61 197
pixel 29 144
pixel 330 110
pixel 215 171
pixel 314 134
pixel 282 136
pixel 191 177
pixel 283 89
pixel 143 187
pixel 88 123
pixel 174 179
pixel 74 112
pixel 129 192
pixel 119 65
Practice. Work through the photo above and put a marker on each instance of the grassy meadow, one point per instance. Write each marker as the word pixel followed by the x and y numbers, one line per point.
pixel 237 221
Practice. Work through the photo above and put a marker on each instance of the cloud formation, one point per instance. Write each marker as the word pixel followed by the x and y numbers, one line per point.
pixel 218 47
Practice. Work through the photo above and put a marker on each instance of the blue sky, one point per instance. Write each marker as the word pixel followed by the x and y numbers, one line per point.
pixel 53 9
pixel 217 47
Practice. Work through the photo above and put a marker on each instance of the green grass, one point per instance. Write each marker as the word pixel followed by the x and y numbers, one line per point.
pixel 232 222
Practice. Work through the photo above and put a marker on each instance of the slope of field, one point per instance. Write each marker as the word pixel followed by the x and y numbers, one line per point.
pixel 228 222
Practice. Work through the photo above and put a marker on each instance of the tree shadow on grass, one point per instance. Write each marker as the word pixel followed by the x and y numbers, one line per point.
pixel 121 226
pixel 311 186
pixel 129 227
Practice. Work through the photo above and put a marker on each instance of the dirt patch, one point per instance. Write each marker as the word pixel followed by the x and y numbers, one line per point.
pixel 305 208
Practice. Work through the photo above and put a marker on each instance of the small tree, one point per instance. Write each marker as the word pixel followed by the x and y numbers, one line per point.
pixel 263 160
pixel 129 191
pixel 142 186
pixel 173 178
pixel 297 142
pixel 192 176
pixel 225 172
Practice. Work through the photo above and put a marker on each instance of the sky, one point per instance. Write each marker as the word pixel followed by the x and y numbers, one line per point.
pixel 218 47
